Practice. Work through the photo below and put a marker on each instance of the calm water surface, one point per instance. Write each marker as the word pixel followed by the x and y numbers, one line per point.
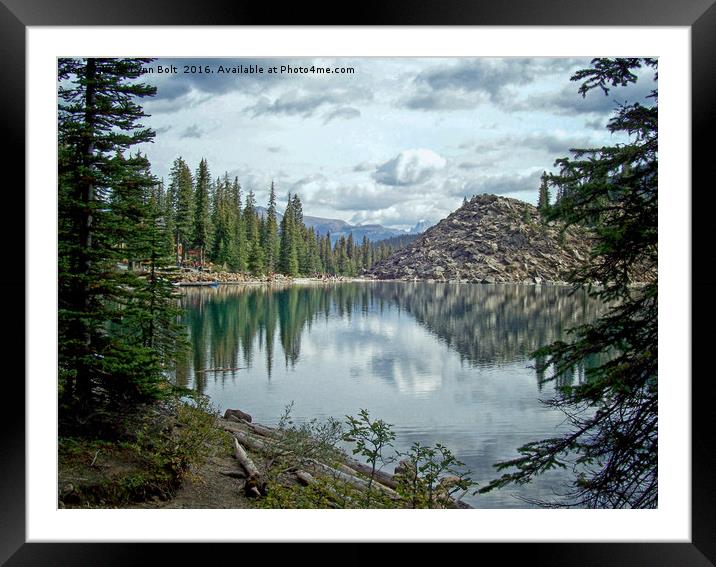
pixel 442 362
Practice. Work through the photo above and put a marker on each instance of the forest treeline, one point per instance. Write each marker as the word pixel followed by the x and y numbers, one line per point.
pixel 215 221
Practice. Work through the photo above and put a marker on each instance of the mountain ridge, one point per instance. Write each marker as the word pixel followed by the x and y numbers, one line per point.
pixel 338 228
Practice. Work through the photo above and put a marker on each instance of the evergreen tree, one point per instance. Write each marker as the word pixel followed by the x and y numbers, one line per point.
pixel 288 257
pixel 105 215
pixel 202 214
pixel 271 242
pixel 613 441
pixel 255 252
pixel 327 255
pixel 299 234
pixel 366 254
pixel 543 198
pixel 340 254
pixel 224 223
pixel 181 190
pixel 165 200
pixel 239 255
pixel 149 311
pixel 313 257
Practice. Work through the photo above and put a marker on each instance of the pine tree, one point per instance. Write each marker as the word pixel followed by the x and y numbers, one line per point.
pixel 271 242
pixel 224 222
pixel 299 234
pixel 340 253
pixel 165 201
pixel 255 251
pixel 105 215
pixel 314 264
pixel 613 440
pixel 366 254
pixel 148 309
pixel 239 255
pixel 288 257
pixel 327 255
pixel 202 213
pixel 181 189
pixel 543 198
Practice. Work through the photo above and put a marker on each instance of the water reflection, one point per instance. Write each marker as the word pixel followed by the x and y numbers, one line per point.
pixel 444 363
pixel 487 325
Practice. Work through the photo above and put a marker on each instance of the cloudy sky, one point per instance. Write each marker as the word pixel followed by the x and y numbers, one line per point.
pixel 396 141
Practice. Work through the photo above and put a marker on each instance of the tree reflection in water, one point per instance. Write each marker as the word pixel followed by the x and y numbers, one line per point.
pixel 232 327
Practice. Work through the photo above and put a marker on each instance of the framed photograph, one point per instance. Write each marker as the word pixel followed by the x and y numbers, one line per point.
pixel 363 236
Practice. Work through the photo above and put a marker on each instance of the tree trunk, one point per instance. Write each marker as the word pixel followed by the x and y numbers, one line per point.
pixel 356 482
pixel 85 187
pixel 254 485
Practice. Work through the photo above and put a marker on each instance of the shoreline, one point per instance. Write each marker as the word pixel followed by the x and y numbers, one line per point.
pixel 283 280
pixel 193 457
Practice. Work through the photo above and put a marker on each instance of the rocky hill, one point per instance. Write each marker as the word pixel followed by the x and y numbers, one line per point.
pixel 489 239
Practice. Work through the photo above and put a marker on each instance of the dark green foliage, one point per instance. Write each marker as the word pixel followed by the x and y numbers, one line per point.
pixel 289 254
pixel 271 241
pixel 114 343
pixel 223 219
pixel 239 254
pixel 255 253
pixel 543 199
pixel 211 218
pixel 181 197
pixel 202 216
pixel 613 442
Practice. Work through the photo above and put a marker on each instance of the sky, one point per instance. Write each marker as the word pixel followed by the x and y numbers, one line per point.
pixel 395 142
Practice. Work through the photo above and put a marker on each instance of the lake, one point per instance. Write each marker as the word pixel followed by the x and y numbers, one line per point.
pixel 442 362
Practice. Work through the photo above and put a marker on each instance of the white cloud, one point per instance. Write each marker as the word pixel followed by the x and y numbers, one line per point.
pixel 341 141
pixel 410 167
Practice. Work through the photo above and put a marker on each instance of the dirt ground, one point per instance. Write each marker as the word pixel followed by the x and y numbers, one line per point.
pixel 207 487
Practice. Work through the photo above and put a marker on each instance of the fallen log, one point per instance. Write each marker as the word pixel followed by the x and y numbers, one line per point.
pixel 254 485
pixel 354 481
pixel 263 431
pixel 384 478
pixel 335 499
pixel 305 478
pixel 261 445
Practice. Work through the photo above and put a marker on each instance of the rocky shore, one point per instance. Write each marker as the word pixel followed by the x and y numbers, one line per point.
pixel 198 278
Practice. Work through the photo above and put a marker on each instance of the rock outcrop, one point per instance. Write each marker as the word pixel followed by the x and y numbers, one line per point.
pixel 489 239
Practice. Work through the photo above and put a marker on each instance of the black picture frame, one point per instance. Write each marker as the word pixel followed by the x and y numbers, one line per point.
pixel 699 15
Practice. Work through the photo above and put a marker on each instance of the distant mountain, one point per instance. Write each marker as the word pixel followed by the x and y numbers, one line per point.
pixel 421 226
pixel 322 226
pixel 338 228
